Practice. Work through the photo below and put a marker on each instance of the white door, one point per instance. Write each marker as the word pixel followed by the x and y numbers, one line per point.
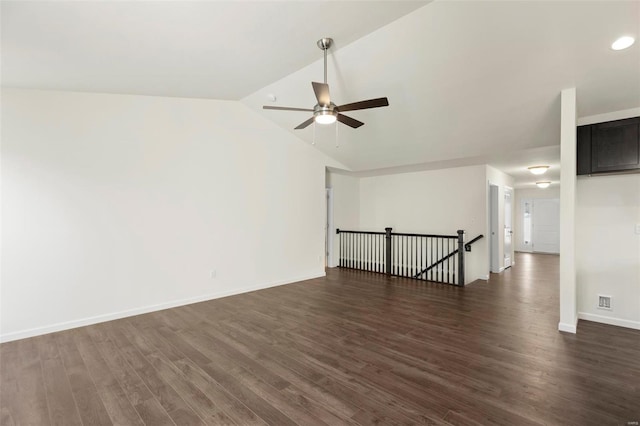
pixel 525 243
pixel 546 225
pixel 508 230
pixel 494 259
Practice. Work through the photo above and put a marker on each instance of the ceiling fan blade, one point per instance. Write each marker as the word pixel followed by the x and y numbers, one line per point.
pixel 322 93
pixel 371 103
pixel 304 124
pixel 351 122
pixel 286 108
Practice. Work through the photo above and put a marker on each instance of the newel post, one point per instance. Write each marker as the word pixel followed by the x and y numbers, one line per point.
pixel 460 257
pixel 388 251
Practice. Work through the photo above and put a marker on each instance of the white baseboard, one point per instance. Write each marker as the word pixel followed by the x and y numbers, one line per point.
pixel 23 334
pixel 609 320
pixel 567 327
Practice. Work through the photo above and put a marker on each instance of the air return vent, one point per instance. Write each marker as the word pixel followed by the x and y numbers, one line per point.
pixel 604 302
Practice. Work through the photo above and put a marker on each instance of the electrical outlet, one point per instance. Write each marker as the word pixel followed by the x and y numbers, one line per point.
pixel 637 228
pixel 212 273
pixel 604 302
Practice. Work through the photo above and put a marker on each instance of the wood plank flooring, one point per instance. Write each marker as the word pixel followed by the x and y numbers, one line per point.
pixel 353 348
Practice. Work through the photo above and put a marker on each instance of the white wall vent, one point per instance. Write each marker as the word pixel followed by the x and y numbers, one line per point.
pixel 604 302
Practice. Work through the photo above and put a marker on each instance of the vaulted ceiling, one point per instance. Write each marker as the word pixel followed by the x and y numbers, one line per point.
pixel 468 82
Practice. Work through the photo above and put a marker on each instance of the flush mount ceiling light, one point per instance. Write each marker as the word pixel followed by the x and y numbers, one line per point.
pixel 543 185
pixel 538 170
pixel 623 43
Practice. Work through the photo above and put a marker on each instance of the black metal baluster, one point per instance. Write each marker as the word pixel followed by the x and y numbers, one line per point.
pixel 406 256
pixel 398 254
pixel 371 252
pixel 347 248
pixel 352 244
pixel 402 243
pixel 366 252
pixel 431 258
pixel 448 261
pixel 360 251
pixel 360 262
pixel 453 262
pixel 440 257
pixel 461 257
pixel 378 253
pixel 411 256
pixel 355 252
pixel 425 246
pixel 375 250
pixel 370 264
pixel 415 255
pixel 421 254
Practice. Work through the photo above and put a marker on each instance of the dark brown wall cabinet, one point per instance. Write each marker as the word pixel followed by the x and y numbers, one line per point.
pixel 609 147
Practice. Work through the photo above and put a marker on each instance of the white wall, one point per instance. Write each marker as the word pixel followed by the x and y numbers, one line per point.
pixel 114 205
pixel 608 249
pixel 528 194
pixel 346 207
pixel 502 181
pixel 436 201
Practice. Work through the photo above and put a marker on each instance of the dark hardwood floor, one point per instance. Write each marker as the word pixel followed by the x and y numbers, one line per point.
pixel 353 348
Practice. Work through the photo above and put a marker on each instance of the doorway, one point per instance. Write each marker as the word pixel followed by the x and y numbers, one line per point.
pixel 500 228
pixel 494 243
pixel 540 219
pixel 508 227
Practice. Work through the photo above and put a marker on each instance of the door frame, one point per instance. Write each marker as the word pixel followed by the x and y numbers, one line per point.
pixel 521 246
pixel 508 190
pixel 494 231
pixel 329 235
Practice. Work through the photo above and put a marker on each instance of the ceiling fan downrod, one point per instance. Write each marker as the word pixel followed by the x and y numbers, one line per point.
pixel 325 44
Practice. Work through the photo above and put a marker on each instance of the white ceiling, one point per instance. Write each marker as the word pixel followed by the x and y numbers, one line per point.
pixel 198 49
pixel 469 82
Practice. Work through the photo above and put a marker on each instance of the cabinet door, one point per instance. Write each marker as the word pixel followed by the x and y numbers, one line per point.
pixel 584 150
pixel 615 145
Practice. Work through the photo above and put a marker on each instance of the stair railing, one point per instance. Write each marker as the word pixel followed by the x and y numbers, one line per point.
pixel 427 257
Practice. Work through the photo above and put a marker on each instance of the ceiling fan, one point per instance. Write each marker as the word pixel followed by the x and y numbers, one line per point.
pixel 325 111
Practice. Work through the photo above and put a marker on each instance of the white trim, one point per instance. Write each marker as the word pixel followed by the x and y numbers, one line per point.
pixel 609 320
pixel 609 116
pixel 23 334
pixel 329 255
pixel 568 328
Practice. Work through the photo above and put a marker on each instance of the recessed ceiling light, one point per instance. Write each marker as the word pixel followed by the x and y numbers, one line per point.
pixel 538 170
pixel 622 43
pixel 543 185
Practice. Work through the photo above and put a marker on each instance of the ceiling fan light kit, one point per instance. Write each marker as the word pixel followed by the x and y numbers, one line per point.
pixel 325 111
